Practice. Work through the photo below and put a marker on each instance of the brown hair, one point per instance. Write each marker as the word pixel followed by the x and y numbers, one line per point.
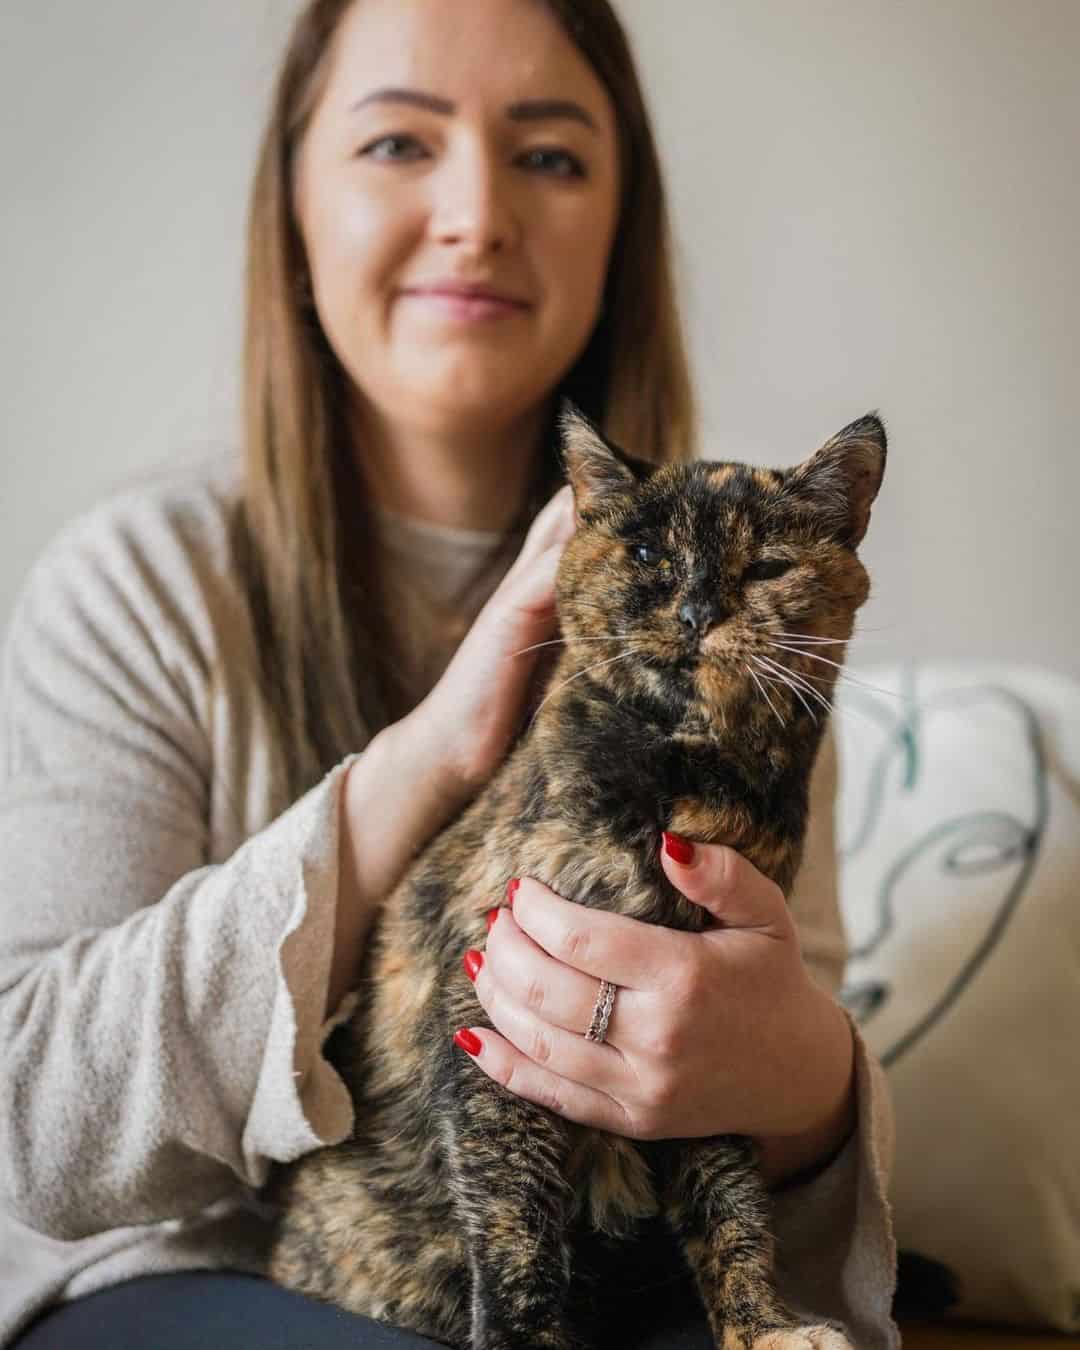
pixel 313 584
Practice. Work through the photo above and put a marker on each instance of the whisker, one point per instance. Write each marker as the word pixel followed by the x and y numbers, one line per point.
pixel 768 700
pixel 577 676
pixel 807 688
pixel 805 681
pixel 796 675
pixel 858 635
pixel 828 680
pixel 813 657
pixel 777 682
pixel 768 625
pixel 811 638
pixel 793 687
pixel 844 678
pixel 847 710
pixel 861 684
pixel 555 642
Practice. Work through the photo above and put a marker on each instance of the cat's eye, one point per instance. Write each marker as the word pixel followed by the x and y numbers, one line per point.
pixel 651 557
pixel 767 569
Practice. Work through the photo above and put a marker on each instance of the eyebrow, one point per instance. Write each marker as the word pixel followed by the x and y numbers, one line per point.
pixel 528 110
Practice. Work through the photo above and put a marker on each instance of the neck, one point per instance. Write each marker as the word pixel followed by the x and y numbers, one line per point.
pixel 472 476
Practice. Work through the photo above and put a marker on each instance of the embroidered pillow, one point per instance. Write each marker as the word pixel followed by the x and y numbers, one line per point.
pixel 959 828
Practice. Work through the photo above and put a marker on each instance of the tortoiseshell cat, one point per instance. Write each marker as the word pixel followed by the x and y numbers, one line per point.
pixel 453 1207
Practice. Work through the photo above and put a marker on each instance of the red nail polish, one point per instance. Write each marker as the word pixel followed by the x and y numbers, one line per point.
pixel 511 890
pixel 492 915
pixel 675 846
pixel 472 961
pixel 468 1041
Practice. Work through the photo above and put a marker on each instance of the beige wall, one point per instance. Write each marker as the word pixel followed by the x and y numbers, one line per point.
pixel 877 205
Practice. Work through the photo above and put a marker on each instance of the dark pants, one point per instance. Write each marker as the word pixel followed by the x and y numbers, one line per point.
pixel 645 1301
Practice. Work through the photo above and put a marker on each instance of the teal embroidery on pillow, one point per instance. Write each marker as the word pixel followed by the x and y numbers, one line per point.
pixel 968 844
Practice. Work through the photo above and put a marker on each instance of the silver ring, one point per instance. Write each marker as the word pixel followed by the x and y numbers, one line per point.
pixel 601 1013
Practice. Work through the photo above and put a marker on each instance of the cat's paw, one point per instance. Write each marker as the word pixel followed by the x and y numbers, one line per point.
pixel 802 1338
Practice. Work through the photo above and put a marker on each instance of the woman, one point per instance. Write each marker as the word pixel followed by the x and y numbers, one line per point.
pixel 234 713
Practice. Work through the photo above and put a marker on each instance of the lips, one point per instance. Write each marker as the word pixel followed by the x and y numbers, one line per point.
pixel 466 292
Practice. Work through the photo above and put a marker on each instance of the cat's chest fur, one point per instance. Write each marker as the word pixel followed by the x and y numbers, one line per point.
pixel 587 800
pixel 612 1181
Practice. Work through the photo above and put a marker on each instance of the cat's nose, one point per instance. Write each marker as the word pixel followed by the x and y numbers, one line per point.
pixel 697 616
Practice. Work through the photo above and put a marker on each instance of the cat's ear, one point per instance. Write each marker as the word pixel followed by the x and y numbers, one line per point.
pixel 841 480
pixel 596 469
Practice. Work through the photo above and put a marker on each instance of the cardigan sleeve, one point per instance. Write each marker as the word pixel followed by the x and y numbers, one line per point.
pixel 160 1015
pixel 835 1248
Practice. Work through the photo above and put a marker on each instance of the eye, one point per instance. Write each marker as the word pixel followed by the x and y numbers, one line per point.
pixel 767 569
pixel 651 557
pixel 558 163
pixel 394 149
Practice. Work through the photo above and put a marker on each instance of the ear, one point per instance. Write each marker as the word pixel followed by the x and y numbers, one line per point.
pixel 596 469
pixel 840 481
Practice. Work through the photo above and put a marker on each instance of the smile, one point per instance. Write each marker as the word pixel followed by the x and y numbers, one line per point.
pixel 463 305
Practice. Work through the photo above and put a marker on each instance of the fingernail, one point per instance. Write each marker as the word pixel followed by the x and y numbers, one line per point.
pixel 468 1041
pixel 492 915
pixel 675 846
pixel 472 961
pixel 511 890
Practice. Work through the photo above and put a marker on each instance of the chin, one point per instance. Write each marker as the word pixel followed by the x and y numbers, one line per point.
pixel 485 398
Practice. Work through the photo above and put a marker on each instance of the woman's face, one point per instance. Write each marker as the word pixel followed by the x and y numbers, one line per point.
pixel 457 193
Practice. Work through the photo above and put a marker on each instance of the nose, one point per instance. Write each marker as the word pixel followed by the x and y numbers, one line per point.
pixel 697 617
pixel 473 209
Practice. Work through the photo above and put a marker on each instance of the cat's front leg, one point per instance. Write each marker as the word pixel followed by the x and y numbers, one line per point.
pixel 507 1162
pixel 717 1204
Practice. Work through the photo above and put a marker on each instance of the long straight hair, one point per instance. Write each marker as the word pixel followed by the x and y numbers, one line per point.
pixel 313 584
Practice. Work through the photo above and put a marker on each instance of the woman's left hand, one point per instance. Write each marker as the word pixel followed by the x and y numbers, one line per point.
pixel 718 1032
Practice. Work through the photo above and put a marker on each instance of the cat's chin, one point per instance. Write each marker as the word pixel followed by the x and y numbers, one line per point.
pixel 718 684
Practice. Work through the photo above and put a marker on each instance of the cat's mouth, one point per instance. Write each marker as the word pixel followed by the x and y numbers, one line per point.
pixel 710 669
pixel 715 647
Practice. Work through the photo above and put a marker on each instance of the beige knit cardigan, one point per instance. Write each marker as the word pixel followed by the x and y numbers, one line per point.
pixel 166 918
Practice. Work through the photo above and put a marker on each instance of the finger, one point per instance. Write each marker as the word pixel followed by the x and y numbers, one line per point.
pixel 506 1064
pixel 629 953
pixel 554 525
pixel 599 1064
pixel 519 614
pixel 551 528
pixel 532 590
pixel 725 883
pixel 522 609
pixel 548 989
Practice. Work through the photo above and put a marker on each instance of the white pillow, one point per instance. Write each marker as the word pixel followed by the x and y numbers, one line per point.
pixel 959 826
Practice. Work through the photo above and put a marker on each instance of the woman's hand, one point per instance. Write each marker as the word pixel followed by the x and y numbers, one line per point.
pixel 473 713
pixel 716 1032
pixel 417 772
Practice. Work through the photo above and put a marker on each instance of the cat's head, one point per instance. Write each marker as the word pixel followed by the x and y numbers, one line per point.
pixel 707 583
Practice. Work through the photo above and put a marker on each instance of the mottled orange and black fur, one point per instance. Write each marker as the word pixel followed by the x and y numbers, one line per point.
pixel 452 1209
